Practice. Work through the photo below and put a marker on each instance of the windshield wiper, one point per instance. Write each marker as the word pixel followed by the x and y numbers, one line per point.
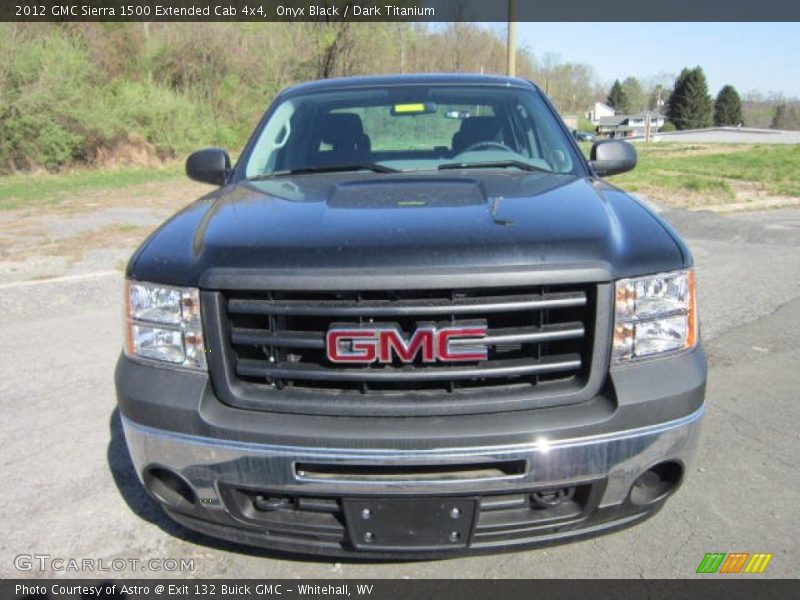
pixel 374 167
pixel 494 164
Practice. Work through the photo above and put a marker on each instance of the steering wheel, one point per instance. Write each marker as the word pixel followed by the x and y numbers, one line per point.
pixel 487 144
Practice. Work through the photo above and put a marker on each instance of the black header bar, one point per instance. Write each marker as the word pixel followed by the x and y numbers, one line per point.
pixel 399 10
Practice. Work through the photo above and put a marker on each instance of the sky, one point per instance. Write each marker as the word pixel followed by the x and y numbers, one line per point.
pixel 750 56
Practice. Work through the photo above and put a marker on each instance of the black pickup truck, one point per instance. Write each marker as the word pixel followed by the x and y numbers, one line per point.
pixel 412 321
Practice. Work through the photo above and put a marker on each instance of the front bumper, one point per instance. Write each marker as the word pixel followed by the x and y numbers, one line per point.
pixel 289 481
pixel 223 480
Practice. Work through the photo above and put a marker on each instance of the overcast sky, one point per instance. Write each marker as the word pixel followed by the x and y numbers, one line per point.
pixel 750 56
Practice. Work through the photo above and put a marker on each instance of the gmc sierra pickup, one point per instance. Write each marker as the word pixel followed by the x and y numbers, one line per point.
pixel 412 321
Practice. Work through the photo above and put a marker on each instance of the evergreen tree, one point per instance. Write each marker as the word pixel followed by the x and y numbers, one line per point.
pixel 728 107
pixel 618 99
pixel 689 105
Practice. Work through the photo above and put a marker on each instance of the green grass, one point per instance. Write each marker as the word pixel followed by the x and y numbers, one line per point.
pixel 714 170
pixel 26 190
pixel 712 185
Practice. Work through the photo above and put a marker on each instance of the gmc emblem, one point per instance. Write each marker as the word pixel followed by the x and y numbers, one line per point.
pixel 384 343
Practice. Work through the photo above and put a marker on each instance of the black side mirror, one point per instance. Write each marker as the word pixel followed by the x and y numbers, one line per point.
pixel 612 157
pixel 210 165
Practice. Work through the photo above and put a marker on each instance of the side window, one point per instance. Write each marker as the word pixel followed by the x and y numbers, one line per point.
pixel 273 139
pixel 524 124
pixel 544 138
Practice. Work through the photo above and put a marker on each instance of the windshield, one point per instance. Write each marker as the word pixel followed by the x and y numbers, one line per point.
pixel 411 128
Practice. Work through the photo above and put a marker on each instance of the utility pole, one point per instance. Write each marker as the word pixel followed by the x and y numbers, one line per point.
pixel 511 56
pixel 402 48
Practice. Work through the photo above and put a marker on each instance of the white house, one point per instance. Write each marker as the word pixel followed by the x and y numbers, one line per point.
pixel 638 122
pixel 629 125
pixel 599 111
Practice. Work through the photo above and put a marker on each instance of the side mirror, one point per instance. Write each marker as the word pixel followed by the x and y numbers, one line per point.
pixel 612 157
pixel 210 165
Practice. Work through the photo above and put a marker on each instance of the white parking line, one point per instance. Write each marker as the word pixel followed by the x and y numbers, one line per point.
pixel 65 278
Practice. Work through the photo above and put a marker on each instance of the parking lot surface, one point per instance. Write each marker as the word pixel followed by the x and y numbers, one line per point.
pixel 70 491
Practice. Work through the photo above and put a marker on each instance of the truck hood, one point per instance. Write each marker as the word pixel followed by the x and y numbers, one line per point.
pixel 409 223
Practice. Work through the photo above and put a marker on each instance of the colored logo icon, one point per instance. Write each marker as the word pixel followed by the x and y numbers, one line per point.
pixel 735 562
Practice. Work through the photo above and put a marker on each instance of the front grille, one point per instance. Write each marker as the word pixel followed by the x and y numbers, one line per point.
pixel 539 340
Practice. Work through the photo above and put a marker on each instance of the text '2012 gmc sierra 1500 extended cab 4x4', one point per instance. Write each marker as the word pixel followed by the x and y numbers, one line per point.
pixel 411 321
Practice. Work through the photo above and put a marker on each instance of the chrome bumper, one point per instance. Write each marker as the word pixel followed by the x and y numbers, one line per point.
pixel 618 458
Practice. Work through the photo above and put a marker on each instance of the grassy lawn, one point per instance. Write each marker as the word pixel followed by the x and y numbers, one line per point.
pixel 713 173
pixel 43 189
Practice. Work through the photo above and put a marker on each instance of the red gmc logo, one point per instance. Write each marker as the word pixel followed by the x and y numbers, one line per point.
pixel 384 343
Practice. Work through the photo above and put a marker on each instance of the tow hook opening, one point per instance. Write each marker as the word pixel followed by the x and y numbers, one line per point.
pixel 656 483
pixel 169 487
pixel 544 499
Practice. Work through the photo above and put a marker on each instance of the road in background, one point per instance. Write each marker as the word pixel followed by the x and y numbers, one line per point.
pixel 71 491
pixel 728 135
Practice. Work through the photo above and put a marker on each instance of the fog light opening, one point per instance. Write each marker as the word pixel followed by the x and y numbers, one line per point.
pixel 656 483
pixel 169 487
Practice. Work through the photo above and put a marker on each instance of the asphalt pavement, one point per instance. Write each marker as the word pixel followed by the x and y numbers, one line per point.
pixel 70 491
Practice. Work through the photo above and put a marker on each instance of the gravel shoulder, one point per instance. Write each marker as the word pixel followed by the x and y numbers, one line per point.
pixel 89 231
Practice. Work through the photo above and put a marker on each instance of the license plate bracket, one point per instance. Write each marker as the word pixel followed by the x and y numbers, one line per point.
pixel 409 523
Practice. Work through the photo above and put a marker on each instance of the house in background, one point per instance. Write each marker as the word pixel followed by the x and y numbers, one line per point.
pixel 613 127
pixel 599 111
pixel 618 126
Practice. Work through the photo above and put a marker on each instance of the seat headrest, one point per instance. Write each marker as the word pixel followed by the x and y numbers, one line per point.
pixel 340 128
pixel 480 128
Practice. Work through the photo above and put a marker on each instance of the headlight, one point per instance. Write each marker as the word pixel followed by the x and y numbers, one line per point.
pixel 654 315
pixel 163 323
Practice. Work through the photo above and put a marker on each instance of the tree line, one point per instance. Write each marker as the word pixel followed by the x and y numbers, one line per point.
pixel 688 105
pixel 83 93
